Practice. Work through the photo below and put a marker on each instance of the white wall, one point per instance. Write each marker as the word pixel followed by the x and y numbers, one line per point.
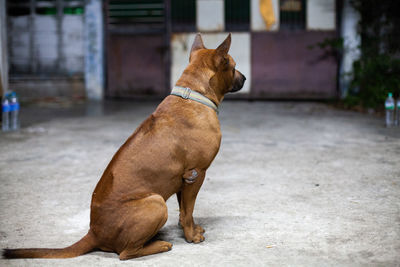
pixel 19 43
pixel 45 43
pixel 256 20
pixel 73 43
pixel 46 52
pixel 94 50
pixel 352 41
pixel 320 15
pixel 210 15
pixel 240 51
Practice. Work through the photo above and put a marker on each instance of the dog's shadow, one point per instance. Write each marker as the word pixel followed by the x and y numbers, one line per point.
pixel 172 232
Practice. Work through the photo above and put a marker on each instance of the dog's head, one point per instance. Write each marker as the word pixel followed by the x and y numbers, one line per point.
pixel 219 65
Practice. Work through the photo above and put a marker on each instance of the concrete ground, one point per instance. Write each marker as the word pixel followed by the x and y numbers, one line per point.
pixel 299 184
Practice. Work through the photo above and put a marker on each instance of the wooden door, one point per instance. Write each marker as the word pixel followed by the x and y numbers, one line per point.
pixel 137 48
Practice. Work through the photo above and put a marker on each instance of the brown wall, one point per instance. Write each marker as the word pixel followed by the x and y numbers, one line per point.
pixel 136 65
pixel 283 66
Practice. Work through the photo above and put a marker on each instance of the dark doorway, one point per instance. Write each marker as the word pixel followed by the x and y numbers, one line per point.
pixel 137 48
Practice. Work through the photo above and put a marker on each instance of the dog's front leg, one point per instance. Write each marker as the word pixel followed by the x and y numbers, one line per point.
pixel 187 198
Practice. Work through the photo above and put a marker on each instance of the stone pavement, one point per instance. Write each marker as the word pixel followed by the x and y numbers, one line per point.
pixel 299 184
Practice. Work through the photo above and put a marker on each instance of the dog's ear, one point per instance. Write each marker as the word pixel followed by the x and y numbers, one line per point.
pixel 197 44
pixel 223 48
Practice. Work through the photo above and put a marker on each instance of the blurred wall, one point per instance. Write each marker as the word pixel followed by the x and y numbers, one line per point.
pixel 3 49
pixel 257 22
pixel 214 21
pixel 276 62
pixel 46 48
pixel 321 15
pixel 351 43
pixel 56 46
pixel 94 50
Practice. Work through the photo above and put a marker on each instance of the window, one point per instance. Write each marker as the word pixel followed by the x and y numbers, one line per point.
pixel 40 33
pixel 292 14
pixel 237 15
pixel 183 15
pixel 136 15
pixel 44 7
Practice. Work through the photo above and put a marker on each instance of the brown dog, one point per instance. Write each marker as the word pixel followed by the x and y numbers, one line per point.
pixel 168 154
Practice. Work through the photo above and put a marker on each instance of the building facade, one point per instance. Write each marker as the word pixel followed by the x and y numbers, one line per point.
pixel 139 48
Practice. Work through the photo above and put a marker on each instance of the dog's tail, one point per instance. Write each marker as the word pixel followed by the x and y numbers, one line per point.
pixel 85 245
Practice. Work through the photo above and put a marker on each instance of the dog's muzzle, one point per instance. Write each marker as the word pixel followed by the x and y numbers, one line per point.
pixel 238 82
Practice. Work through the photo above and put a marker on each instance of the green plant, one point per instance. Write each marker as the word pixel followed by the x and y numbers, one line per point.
pixel 373 78
pixel 331 47
pixel 377 72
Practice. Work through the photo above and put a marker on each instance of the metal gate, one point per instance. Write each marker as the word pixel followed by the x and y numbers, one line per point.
pixel 137 41
pixel 40 33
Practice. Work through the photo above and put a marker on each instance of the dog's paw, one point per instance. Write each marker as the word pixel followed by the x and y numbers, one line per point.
pixel 165 246
pixel 199 229
pixel 198 238
pixel 195 237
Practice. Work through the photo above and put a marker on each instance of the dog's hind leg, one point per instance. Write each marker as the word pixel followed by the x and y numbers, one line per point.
pixel 143 220
pixel 152 248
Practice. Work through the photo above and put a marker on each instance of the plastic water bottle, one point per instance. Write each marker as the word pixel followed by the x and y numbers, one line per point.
pixel 5 110
pixel 14 111
pixel 389 107
pixel 397 120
